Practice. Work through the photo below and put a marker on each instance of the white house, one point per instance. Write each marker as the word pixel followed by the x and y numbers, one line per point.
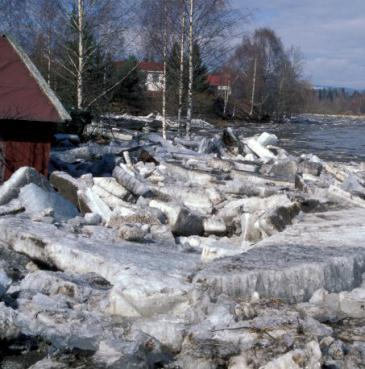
pixel 153 72
pixel 154 75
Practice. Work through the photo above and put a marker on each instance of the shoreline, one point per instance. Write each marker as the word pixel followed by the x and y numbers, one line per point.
pixel 349 116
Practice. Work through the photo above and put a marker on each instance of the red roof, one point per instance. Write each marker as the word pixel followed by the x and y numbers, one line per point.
pixel 24 94
pixel 148 66
pixel 219 80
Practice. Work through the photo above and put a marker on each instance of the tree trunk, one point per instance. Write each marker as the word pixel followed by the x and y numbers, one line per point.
pixel 49 55
pixel 226 99
pixel 80 68
pixel 191 71
pixel 164 72
pixel 181 76
pixel 253 87
pixel 280 109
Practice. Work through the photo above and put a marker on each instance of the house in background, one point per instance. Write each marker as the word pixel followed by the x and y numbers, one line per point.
pixel 223 84
pixel 29 112
pixel 220 83
pixel 154 75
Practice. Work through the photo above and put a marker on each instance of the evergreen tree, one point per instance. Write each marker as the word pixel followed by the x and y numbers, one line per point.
pixel 200 71
pixel 173 78
pixel 131 91
pixel 173 66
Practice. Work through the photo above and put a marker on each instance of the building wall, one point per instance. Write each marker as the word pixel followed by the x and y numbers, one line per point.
pixel 24 144
pixel 154 81
pixel 26 154
pixel 224 89
pixel 2 161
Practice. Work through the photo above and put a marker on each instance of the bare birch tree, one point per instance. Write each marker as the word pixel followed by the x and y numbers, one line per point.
pixel 253 91
pixel 47 24
pixel 45 19
pixel 97 29
pixel 182 60
pixel 191 70
pixel 212 20
pixel 164 71
pixel 80 26
pixel 272 85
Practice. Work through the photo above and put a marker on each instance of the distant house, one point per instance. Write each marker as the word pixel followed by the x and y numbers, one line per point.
pixel 220 83
pixel 29 111
pixel 153 72
pixel 154 75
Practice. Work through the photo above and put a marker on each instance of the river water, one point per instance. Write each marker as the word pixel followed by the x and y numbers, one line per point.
pixel 331 138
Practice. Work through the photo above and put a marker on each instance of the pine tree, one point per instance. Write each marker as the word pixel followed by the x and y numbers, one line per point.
pixel 130 92
pixel 200 83
pixel 173 78
pixel 173 66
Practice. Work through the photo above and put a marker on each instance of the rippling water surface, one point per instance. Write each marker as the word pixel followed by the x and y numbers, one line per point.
pixel 331 138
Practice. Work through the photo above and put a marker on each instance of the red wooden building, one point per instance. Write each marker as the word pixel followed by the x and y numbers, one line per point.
pixel 29 111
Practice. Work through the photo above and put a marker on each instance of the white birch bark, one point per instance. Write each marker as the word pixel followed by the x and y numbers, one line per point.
pixel 191 71
pixel 49 56
pixel 181 76
pixel 80 67
pixel 164 72
pixel 49 69
pixel 226 98
pixel 253 86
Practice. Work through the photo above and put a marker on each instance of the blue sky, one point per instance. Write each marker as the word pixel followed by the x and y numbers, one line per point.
pixel 330 34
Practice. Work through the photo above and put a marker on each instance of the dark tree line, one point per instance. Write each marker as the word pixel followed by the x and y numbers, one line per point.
pixel 336 101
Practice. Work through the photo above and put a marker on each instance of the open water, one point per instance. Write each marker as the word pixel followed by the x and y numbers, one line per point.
pixel 331 138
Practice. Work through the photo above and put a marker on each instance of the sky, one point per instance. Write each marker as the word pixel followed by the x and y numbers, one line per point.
pixel 330 34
